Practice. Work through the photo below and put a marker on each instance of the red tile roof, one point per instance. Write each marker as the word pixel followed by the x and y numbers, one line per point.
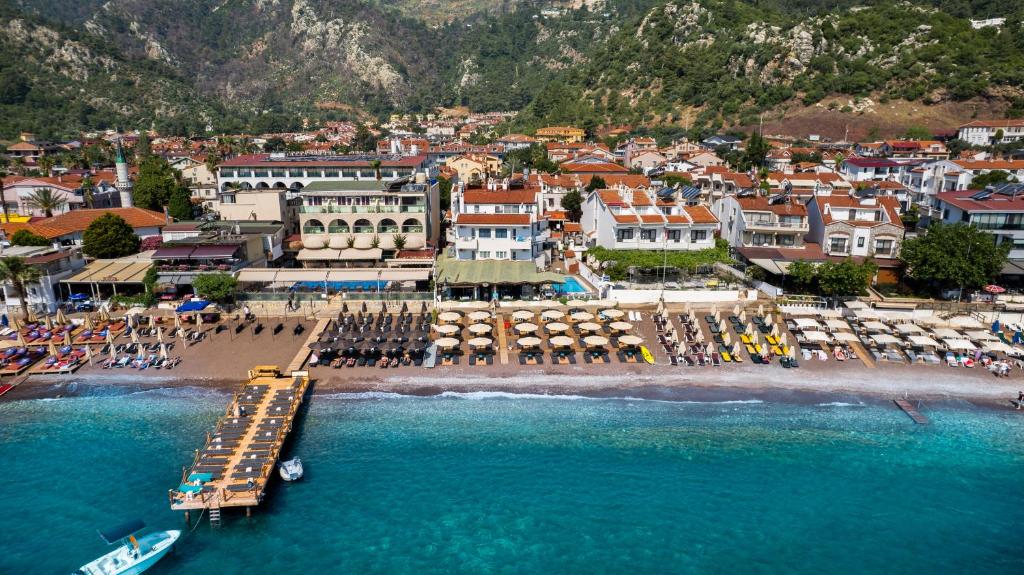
pixel 962 200
pixel 493 219
pixel 761 204
pixel 890 205
pixel 593 167
pixel 700 215
pixel 78 220
pixel 572 227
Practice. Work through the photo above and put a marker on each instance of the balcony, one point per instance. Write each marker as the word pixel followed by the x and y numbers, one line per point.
pixel 378 209
pixel 337 229
pixel 306 230
pixel 774 225
pixel 412 229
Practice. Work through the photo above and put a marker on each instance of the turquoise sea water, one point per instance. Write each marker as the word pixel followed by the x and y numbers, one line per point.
pixel 490 484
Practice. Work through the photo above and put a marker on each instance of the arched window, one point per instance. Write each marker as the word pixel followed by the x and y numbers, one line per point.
pixel 280 185
pixel 412 226
pixel 337 227
pixel 363 226
pixel 313 226
pixel 262 186
pixel 296 186
pixel 387 226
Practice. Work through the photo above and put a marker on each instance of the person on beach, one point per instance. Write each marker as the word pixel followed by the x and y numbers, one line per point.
pixel 246 313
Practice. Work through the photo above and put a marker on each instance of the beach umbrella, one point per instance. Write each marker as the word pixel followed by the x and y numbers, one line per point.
pixel 152 322
pixel 630 340
pixel 700 335
pixel 575 303
pixel 784 340
pixel 743 316
pixel 595 341
pixel 522 315
pixel 49 323
pixel 529 341
pixel 792 353
pixel 561 341
pixel 135 336
pixel 163 350
pixel 88 354
pixel 589 326
pixel 479 316
pixel 721 326
pixel 159 335
pixel 177 322
pixel 67 338
pixel 775 331
pixel 749 329
pixel 21 340
pixel 551 314
pixel 52 349
pixel 760 310
pixel 480 328
pixel 620 326
pixel 582 316
pixel 61 318
pixel 199 321
pixel 726 339
pixel 526 327
pixel 363 308
pixel 184 338
pixel 612 313
pixel 110 339
pixel 447 342
pixel 736 309
pixel 693 316
pixel 449 316
pixel 714 309
pixel 556 327
pixel 447 329
pixel 88 321
pixel 104 315
pixel 479 342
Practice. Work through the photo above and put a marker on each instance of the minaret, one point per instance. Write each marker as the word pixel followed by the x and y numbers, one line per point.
pixel 123 183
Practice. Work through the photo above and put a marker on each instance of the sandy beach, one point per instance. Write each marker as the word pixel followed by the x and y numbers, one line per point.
pixel 222 359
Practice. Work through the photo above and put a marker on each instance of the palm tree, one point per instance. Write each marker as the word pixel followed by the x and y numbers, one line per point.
pixel 45 164
pixel 376 169
pixel 46 200
pixel 19 274
pixel 87 191
pixel 3 196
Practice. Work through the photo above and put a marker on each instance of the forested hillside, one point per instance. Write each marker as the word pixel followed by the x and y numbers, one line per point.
pixel 266 64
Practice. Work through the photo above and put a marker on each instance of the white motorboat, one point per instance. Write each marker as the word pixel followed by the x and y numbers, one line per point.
pixel 132 556
pixel 290 470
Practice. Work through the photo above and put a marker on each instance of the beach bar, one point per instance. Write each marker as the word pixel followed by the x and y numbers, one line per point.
pixel 239 457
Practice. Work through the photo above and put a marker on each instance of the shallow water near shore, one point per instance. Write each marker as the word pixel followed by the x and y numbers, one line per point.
pixel 487 482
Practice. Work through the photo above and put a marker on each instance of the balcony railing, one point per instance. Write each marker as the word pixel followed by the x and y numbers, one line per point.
pixel 363 229
pixel 412 229
pixel 774 224
pixel 335 209
pixel 337 229
pixel 312 229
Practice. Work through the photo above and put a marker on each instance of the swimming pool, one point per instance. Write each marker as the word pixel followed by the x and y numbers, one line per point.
pixel 571 285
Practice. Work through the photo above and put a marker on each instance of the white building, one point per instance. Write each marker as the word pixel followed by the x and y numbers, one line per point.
pixel 983 132
pixel 626 219
pixel 294 171
pixel 859 227
pixel 55 264
pixel 500 222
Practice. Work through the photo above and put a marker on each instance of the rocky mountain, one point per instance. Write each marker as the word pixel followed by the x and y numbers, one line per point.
pixel 265 64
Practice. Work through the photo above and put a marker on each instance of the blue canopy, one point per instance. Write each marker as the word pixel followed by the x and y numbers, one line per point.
pixel 115 534
pixel 78 297
pixel 193 305
pixel 995 326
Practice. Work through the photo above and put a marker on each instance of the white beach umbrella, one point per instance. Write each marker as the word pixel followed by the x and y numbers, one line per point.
pixel 135 336
pixel 589 326
pixel 726 339
pixel 760 310
pixel 61 318
pixel 556 327
pixel 449 316
pixel 447 329
pixel 576 303
pixel 159 335
pixel 447 342
pixel 582 316
pixel 743 315
pixel 527 342
pixel 551 314
pixel 526 327
pixel 479 342
pixel 612 313
pixel 561 341
pixel 631 340
pixel 736 309
pixel 480 328
pixel 479 315
pixel 522 315
pixel 620 326
pixel 595 341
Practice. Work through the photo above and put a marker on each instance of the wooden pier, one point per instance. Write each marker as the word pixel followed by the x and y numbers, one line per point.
pixel 912 411
pixel 240 456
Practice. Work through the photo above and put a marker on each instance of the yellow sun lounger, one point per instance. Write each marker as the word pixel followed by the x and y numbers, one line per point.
pixel 726 356
pixel 771 339
pixel 745 339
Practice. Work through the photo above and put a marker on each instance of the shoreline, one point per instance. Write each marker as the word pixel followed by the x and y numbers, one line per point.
pixel 733 385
